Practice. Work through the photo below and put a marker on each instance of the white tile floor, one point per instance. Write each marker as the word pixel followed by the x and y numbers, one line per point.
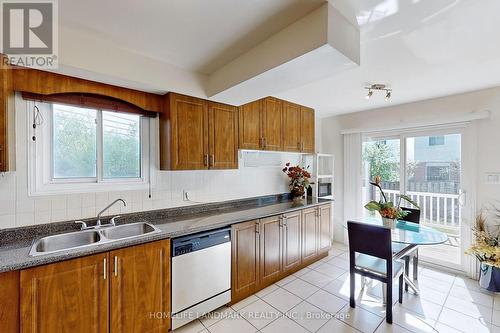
pixel 315 299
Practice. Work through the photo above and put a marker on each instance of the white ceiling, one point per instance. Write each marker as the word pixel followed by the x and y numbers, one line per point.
pixel 420 48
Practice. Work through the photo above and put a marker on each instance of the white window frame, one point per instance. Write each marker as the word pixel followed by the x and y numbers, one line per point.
pixel 40 159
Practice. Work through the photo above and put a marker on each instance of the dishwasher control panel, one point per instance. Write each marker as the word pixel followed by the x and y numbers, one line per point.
pixel 199 241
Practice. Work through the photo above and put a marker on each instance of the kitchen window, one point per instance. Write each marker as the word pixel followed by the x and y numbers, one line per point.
pixel 78 149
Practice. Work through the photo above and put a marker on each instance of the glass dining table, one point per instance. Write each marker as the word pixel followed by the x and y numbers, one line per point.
pixel 411 235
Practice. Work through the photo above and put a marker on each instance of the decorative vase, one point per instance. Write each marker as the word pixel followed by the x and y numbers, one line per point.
pixel 388 223
pixel 298 192
pixel 489 278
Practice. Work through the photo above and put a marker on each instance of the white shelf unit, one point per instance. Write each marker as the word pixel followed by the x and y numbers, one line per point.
pixel 321 167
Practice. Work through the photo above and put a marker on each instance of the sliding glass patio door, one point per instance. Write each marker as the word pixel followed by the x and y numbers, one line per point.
pixel 428 167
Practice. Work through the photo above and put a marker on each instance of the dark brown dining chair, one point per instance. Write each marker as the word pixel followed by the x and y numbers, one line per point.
pixel 414 217
pixel 370 255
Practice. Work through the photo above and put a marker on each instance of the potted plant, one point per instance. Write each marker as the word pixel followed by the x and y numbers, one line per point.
pixel 486 249
pixel 388 209
pixel 299 180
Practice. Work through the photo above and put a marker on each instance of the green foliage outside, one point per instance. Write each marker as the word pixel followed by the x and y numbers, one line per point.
pixel 382 160
pixel 75 147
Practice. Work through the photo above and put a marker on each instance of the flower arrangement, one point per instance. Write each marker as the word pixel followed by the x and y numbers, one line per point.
pixel 388 209
pixel 299 180
pixel 486 247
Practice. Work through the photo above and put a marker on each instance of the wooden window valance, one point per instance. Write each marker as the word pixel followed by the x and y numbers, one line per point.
pixel 89 101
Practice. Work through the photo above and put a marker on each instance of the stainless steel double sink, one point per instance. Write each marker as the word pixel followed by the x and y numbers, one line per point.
pixel 91 237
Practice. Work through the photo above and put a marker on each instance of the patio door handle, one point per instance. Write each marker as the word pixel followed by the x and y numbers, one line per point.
pixel 462 197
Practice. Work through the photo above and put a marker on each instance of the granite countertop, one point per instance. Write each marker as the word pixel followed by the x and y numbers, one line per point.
pixel 15 243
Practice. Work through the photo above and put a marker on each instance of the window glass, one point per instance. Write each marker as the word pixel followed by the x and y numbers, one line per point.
pixel 74 142
pixel 121 145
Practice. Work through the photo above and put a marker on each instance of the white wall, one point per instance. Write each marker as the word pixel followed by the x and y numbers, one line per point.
pixel 18 209
pixel 485 133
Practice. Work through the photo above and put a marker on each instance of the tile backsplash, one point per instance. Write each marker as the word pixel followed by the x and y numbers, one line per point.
pixel 18 209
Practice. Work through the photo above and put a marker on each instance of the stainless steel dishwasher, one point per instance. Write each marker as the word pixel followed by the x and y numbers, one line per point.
pixel 201 274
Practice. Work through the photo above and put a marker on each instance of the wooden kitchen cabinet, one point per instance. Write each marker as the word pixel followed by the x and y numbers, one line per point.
pixel 292 230
pixel 292 126
pixel 223 136
pixel 310 233
pixel 118 291
pixel 271 250
pixel 68 296
pixel 6 93
pixel 249 129
pixel 272 124
pixel 197 134
pixel 244 260
pixel 9 302
pixel 325 228
pixel 184 133
pixel 140 284
pixel 307 130
pixel 277 125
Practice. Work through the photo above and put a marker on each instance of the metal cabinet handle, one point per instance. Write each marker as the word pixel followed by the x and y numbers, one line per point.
pixel 116 266
pixel 105 269
pixel 257 228
pixel 265 142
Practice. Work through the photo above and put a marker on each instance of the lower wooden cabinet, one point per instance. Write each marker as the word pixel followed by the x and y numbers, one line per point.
pixel 119 291
pixel 310 232
pixel 9 302
pixel 69 296
pixel 271 249
pixel 292 230
pixel 266 250
pixel 245 261
pixel 140 288
pixel 325 228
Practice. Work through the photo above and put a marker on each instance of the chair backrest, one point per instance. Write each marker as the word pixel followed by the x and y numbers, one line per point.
pixel 370 239
pixel 414 215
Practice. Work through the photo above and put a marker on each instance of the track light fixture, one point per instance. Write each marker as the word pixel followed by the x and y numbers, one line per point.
pixel 379 87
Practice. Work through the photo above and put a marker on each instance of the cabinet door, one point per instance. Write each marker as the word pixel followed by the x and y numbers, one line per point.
pixel 223 136
pixel 5 92
pixel 292 127
pixel 292 230
pixel 244 260
pixel 69 296
pixel 307 132
pixel 250 126
pixel 140 288
pixel 272 123
pixel 325 228
pixel 309 233
pixel 189 126
pixel 9 302
pixel 271 250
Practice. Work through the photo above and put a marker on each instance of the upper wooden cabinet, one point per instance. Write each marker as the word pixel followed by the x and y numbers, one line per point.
pixel 292 116
pixel 197 134
pixel 69 296
pixel 116 291
pixel 140 284
pixel 223 136
pixel 6 91
pixel 307 130
pixel 277 125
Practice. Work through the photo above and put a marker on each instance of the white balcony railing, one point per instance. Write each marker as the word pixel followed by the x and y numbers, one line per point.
pixel 437 209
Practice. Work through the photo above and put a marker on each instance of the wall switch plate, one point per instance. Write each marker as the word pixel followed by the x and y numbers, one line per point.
pixel 492 178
